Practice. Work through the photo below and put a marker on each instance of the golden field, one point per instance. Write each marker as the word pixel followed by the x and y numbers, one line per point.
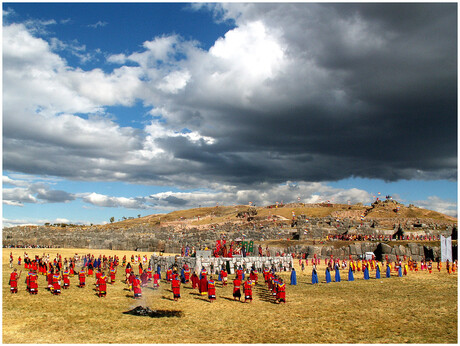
pixel 419 308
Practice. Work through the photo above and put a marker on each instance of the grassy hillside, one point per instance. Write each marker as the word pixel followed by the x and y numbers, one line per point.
pixel 215 215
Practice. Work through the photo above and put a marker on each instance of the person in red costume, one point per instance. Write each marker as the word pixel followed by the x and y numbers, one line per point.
pixel 113 273
pixel 14 277
pixel 236 289
pixel 82 278
pixel 175 286
pixel 186 273
pixel 254 276
pixel 224 276
pixel 169 275
pixel 102 285
pixel 203 285
pixel 49 278
pixel 65 279
pixel 137 287
pixel 240 274
pixel 156 280
pixel 211 289
pixel 248 290
pixel 195 280
pixel 131 280
pixel 281 291
pixel 56 283
pixel 33 284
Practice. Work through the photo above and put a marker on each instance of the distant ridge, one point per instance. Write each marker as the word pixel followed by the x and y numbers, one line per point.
pixel 390 210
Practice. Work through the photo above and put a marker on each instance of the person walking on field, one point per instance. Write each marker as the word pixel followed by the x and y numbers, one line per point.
pixel 236 289
pixel 175 286
pixel 14 277
pixel 314 275
pixel 281 291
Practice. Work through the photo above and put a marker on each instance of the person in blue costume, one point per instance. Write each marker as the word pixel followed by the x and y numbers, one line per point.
pixel 314 275
pixel 159 271
pixel 388 274
pixel 328 275
pixel 182 275
pixel 337 272
pixel 377 271
pixel 350 275
pixel 366 272
pixel 400 270
pixel 293 277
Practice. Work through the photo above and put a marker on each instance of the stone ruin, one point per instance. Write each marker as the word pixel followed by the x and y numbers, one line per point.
pixel 214 264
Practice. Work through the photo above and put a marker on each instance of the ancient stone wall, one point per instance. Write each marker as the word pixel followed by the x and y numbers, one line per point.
pixel 213 264
pixel 356 249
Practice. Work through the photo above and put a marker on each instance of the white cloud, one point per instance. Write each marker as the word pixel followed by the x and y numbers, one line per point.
pixel 97 24
pixel 249 51
pixel 112 202
pixel 174 81
pixel 435 203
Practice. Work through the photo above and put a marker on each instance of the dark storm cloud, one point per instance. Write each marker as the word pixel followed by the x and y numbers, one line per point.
pixel 386 108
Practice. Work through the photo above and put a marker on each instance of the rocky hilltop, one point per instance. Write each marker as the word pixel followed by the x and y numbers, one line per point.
pixel 201 227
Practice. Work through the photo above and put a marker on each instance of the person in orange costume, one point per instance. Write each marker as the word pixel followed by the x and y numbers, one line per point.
pixel 430 267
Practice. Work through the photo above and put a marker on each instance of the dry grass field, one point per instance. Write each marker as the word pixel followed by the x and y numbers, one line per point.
pixel 419 308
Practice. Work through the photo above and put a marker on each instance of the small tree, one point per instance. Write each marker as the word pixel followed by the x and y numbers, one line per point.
pixel 112 219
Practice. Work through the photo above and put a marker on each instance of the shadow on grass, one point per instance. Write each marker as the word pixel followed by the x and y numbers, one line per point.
pixel 195 294
pixel 203 299
pixel 168 298
pixel 231 299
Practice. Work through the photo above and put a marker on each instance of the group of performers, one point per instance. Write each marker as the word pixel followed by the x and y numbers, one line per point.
pixel 399 267
pixel 58 272
pixel 275 285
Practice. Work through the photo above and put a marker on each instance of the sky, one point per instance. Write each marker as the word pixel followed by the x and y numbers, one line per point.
pixel 131 109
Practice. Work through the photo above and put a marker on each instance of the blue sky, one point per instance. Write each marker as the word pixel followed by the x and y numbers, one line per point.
pixel 121 109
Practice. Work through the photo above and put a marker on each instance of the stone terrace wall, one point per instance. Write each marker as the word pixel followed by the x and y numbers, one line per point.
pixel 138 238
pixel 357 249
